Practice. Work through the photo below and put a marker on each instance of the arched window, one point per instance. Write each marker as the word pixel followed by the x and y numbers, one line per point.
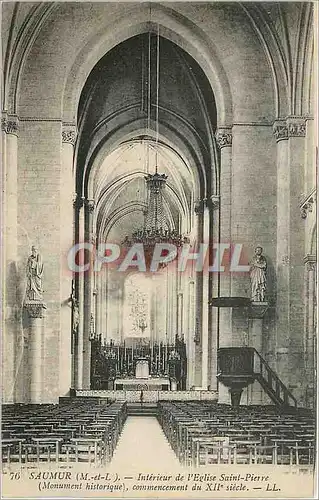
pixel 137 306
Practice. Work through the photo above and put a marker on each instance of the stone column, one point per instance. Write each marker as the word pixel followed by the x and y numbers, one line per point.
pixel 311 173
pixel 104 300
pixel 88 294
pixel 224 314
pixel 180 307
pixel 161 305
pixel 198 340
pixel 98 293
pixel 175 287
pixel 96 297
pixel 110 304
pixel 154 302
pixel 190 335
pixel 121 334
pixel 205 300
pixel 12 335
pixel 290 136
pixel 310 330
pixel 67 238
pixel 153 332
pixel 101 307
pixel 213 291
pixel 193 335
pixel 257 312
pixel 35 349
pixel 167 306
pixel 296 155
pixel 79 216
pixel 279 348
pixel 185 330
pixel 202 298
pixel 224 142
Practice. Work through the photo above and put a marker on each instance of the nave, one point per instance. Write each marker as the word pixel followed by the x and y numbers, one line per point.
pixel 194 433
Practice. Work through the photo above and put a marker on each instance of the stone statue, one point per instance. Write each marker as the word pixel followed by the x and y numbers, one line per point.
pixel 258 276
pixel 34 276
pixel 92 328
pixel 76 315
pixel 75 309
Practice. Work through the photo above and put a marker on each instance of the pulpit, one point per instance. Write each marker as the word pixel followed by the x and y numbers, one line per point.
pixel 236 370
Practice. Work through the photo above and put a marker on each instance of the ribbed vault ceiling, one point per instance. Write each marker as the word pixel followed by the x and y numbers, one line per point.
pixel 120 188
pixel 127 92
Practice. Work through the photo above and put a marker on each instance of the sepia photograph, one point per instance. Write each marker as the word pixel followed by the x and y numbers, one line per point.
pixel 159 249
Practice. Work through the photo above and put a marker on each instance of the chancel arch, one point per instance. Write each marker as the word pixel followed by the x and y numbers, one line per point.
pixel 111 173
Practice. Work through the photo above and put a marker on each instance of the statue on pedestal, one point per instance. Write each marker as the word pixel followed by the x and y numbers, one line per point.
pixel 92 328
pixel 34 276
pixel 34 293
pixel 258 277
pixel 76 315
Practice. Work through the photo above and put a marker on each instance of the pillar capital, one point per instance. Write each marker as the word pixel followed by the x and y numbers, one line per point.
pixel 306 204
pixel 10 124
pixel 280 130
pixel 310 262
pixel 296 126
pixel 200 205
pixel 291 126
pixel 311 266
pixel 90 205
pixel 69 133
pixel 78 201
pixel 35 308
pixel 213 201
pixel 224 137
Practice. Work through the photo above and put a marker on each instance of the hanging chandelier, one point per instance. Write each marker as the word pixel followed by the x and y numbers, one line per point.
pixel 156 228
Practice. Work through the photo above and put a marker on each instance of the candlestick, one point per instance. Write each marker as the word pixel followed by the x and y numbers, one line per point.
pixel 151 356
pixel 132 358
pixel 166 353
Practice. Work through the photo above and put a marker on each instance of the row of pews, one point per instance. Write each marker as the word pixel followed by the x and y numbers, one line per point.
pixel 78 431
pixel 202 433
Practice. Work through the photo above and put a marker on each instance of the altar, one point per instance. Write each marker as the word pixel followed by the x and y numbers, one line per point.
pixel 135 365
pixel 142 381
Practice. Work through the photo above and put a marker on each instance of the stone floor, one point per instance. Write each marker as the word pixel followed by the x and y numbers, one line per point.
pixel 143 446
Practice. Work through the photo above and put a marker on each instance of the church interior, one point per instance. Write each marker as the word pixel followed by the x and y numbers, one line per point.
pixel 174 125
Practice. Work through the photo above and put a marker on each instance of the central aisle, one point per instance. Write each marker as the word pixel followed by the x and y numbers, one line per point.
pixel 142 445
